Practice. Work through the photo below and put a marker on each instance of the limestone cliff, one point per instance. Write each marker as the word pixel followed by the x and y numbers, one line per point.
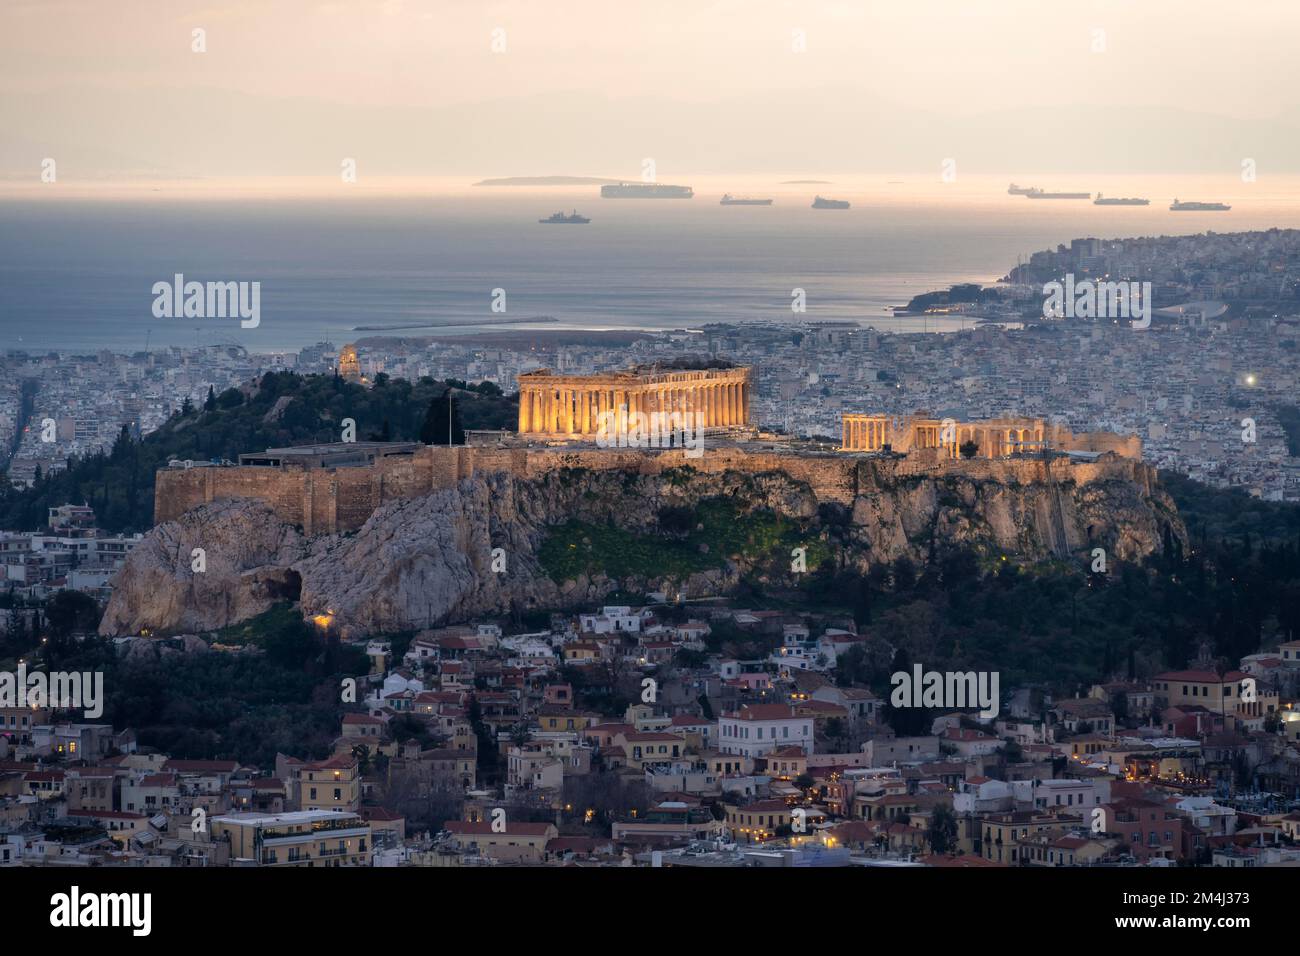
pixel 244 552
pixel 475 549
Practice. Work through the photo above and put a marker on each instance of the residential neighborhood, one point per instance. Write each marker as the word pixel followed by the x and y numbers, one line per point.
pixel 473 746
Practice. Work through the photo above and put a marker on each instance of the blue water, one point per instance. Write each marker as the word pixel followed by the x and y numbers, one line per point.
pixel 77 274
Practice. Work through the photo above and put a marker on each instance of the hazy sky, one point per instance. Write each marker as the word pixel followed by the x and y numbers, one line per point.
pixel 413 87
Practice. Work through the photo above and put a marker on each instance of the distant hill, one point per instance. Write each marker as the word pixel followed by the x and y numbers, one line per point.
pixel 966 293
pixel 548 181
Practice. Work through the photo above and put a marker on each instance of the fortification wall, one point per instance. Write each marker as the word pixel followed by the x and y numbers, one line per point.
pixel 178 490
pixel 323 501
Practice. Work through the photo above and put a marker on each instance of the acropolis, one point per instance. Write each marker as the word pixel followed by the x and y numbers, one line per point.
pixel 565 422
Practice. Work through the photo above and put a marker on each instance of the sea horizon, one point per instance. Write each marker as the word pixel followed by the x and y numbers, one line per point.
pixel 336 260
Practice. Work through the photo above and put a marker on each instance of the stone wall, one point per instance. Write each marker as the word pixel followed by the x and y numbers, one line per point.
pixel 322 501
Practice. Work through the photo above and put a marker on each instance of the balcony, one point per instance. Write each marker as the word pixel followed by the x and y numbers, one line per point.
pixel 281 837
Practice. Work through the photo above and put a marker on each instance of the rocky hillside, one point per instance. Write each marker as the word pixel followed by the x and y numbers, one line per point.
pixel 496 543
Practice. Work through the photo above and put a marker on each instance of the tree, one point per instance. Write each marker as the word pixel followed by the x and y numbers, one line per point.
pixel 835 729
pixel 942 834
pixel 187 407
pixel 436 419
pixel 71 611
pixel 968 449
pixel 122 445
pixel 210 403
pixel 362 753
pixel 904 574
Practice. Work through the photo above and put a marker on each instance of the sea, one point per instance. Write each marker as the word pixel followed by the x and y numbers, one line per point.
pixel 337 261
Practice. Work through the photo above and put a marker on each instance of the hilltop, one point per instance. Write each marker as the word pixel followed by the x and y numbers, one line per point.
pixel 564 529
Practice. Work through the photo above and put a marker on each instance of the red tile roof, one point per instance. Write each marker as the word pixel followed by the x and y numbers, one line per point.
pixel 1203 677
pixel 106 814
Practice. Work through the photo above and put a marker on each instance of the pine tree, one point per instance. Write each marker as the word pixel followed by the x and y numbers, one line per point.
pixel 210 404
pixel 434 429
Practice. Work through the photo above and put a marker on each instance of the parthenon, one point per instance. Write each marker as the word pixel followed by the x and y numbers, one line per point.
pixel 992 438
pixel 571 406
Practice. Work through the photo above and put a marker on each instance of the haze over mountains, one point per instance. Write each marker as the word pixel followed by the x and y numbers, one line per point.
pixel 207 132
pixel 418 88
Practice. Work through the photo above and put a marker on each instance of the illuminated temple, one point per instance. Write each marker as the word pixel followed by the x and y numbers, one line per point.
pixel 991 438
pixel 563 406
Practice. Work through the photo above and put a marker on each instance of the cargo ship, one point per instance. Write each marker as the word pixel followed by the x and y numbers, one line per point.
pixel 561 218
pixel 730 200
pixel 1125 201
pixel 645 191
pixel 819 203
pixel 1039 194
pixel 1199 206
pixel 1015 190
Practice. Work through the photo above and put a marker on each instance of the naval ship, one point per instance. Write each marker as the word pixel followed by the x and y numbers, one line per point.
pixel 819 203
pixel 645 191
pixel 1126 201
pixel 730 200
pixel 560 217
pixel 1199 206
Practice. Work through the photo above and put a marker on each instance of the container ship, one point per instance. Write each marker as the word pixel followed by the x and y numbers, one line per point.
pixel 560 218
pixel 1039 194
pixel 1125 201
pixel 645 191
pixel 730 200
pixel 819 203
pixel 1199 206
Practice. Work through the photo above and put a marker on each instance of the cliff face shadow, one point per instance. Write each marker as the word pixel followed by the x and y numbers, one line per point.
pixel 285 588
